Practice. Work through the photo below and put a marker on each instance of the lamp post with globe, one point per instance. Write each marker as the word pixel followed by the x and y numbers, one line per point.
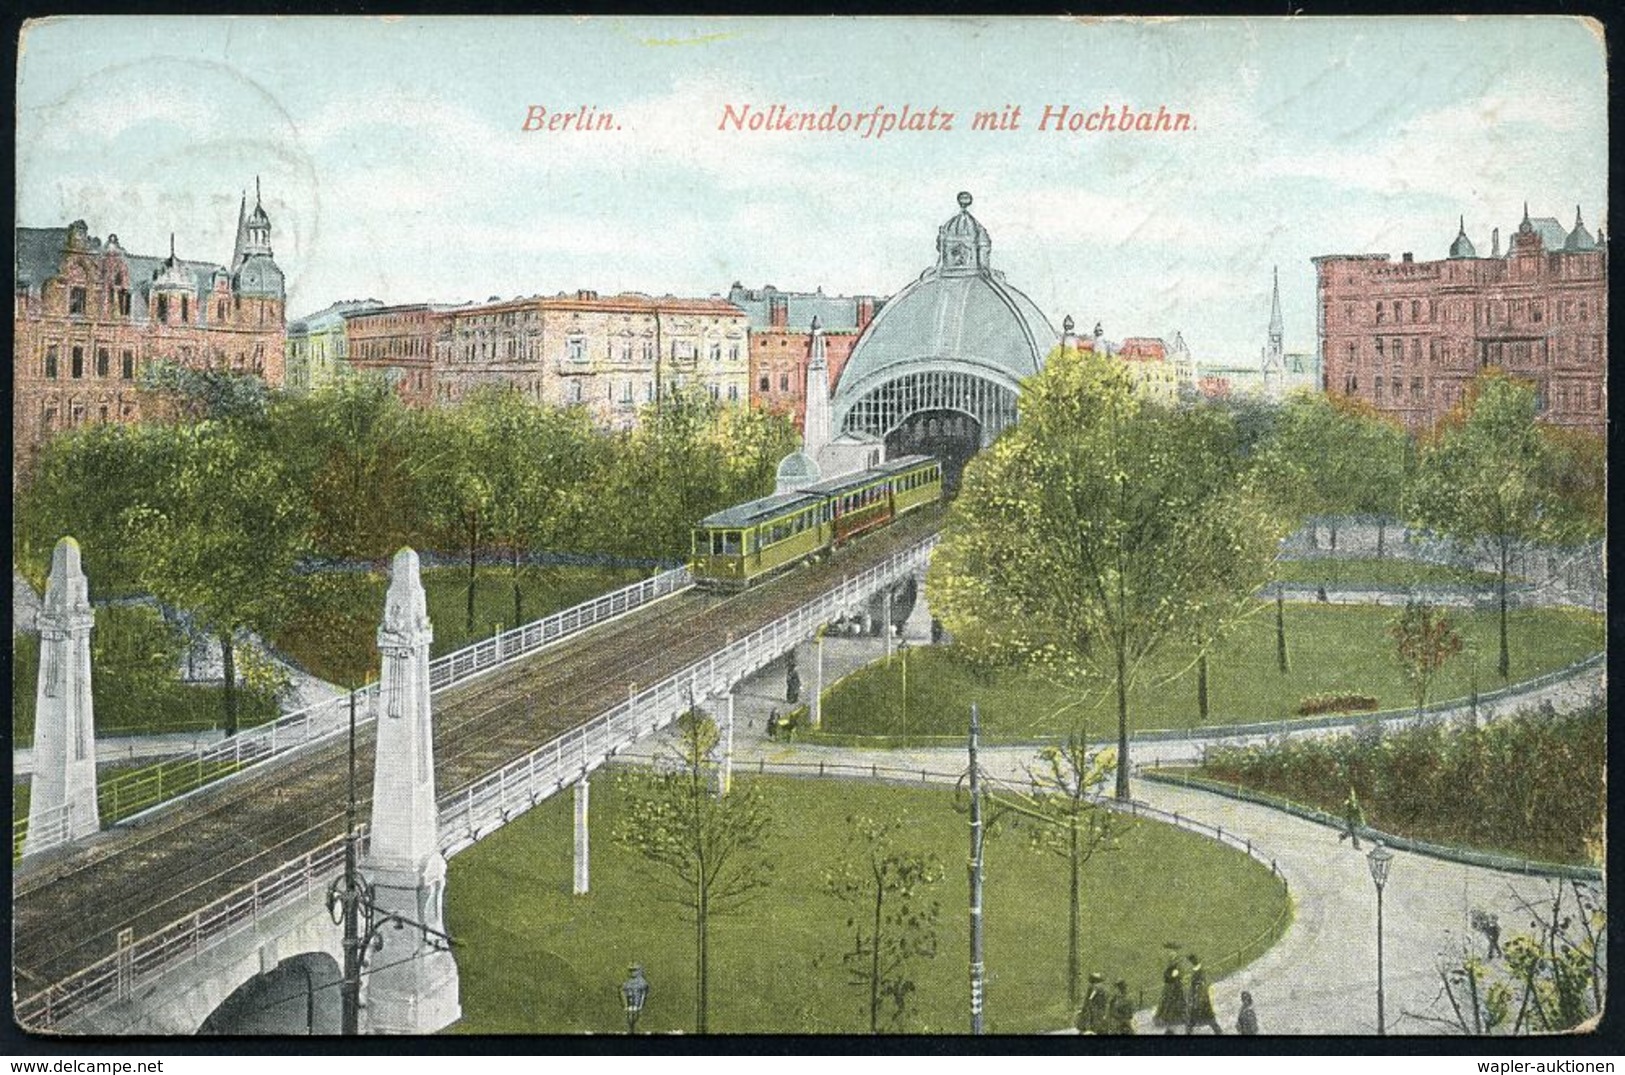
pixel 1379 860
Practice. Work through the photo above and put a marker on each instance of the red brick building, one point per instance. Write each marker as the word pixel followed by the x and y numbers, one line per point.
pixel 89 314
pixel 778 367
pixel 781 327
pixel 1408 337
pixel 398 341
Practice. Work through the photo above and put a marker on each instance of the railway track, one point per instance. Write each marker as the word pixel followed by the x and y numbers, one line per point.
pixel 69 910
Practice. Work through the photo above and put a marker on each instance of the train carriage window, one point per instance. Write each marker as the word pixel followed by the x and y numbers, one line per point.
pixel 730 542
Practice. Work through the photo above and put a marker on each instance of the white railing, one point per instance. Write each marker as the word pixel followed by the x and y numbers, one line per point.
pixel 467 815
pixel 144 789
pixel 494 800
pixel 51 831
pixel 117 976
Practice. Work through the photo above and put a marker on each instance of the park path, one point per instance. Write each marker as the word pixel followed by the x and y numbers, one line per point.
pixel 1320 977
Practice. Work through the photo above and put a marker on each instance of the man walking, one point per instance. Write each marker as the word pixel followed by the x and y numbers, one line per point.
pixel 1200 1011
pixel 1353 819
pixel 1092 1016
pixel 1247 1021
pixel 1171 1008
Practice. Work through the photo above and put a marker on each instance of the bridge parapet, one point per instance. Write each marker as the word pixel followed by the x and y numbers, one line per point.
pixel 493 801
pixel 154 787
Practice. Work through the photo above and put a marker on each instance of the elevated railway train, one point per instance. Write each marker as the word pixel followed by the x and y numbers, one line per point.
pixel 738 546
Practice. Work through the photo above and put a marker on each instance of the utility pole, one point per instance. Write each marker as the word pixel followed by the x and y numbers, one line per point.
pixel 977 968
pixel 351 994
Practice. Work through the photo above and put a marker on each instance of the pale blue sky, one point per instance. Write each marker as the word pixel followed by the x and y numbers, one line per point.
pixel 394 166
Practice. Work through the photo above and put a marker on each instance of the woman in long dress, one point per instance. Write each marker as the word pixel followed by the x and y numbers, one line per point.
pixel 1170 1013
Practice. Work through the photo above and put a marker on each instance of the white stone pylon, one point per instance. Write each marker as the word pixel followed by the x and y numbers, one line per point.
pixel 412 985
pixel 62 801
pixel 583 848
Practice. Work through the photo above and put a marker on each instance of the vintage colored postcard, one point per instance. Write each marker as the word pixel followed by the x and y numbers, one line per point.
pixel 843 526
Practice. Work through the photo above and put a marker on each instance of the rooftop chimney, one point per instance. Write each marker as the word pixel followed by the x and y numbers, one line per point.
pixel 778 311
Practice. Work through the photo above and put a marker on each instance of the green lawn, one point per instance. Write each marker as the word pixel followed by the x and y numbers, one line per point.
pixel 129 693
pixel 335 638
pixel 1388 571
pixel 534 958
pixel 1333 648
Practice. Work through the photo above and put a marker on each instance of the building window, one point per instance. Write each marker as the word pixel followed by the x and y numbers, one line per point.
pixel 1416 349
pixel 649 391
pixel 733 393
pixel 101 362
pixel 78 369
pixel 784 382
pixel 1416 389
pixel 163 308
pixel 1396 311
pixel 733 353
pixel 716 352
pixel 573 392
pixel 1416 310
pixel 626 391
pixel 648 350
pixel 576 347
pixel 1379 346
pixel 765 384
pixel 50 362
pixel 186 308
pixel 626 353
pixel 1379 388
pixel 1348 312
pixel 76 301
pixel 1379 313
pixel 124 302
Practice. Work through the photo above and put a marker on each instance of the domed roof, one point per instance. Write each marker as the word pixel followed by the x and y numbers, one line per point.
pixel 959 313
pixel 260 276
pixel 1579 238
pixel 797 471
pixel 1463 246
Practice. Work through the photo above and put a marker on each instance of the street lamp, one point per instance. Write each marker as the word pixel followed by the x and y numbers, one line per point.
pixel 634 991
pixel 1378 860
pixel 1472 658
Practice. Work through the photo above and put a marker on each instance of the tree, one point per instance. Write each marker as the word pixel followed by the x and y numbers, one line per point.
pixel 705 850
pixel 181 393
pixel 1550 979
pixel 541 465
pixel 86 483
pixel 1073 825
pixel 355 441
pixel 1329 456
pixel 1425 638
pixel 222 540
pixel 456 485
pixel 1096 531
pixel 1489 478
pixel 892 913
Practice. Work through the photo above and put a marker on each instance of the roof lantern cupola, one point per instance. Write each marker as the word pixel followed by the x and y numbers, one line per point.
pixel 1462 247
pixel 963 245
pixel 1579 238
pixel 172 275
pixel 257 229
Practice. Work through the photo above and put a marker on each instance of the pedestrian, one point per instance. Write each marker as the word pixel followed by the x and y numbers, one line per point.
pixel 1120 1016
pixel 1353 819
pixel 773 724
pixel 1092 1016
pixel 1247 1021
pixel 1200 1010
pixel 1170 1013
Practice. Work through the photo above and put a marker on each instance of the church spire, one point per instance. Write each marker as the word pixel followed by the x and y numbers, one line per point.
pixel 1276 328
pixel 237 254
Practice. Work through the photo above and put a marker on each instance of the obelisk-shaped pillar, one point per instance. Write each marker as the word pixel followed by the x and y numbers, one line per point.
pixel 62 801
pixel 412 985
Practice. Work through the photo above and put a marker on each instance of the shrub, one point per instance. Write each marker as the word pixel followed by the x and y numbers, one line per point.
pixel 1336 703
